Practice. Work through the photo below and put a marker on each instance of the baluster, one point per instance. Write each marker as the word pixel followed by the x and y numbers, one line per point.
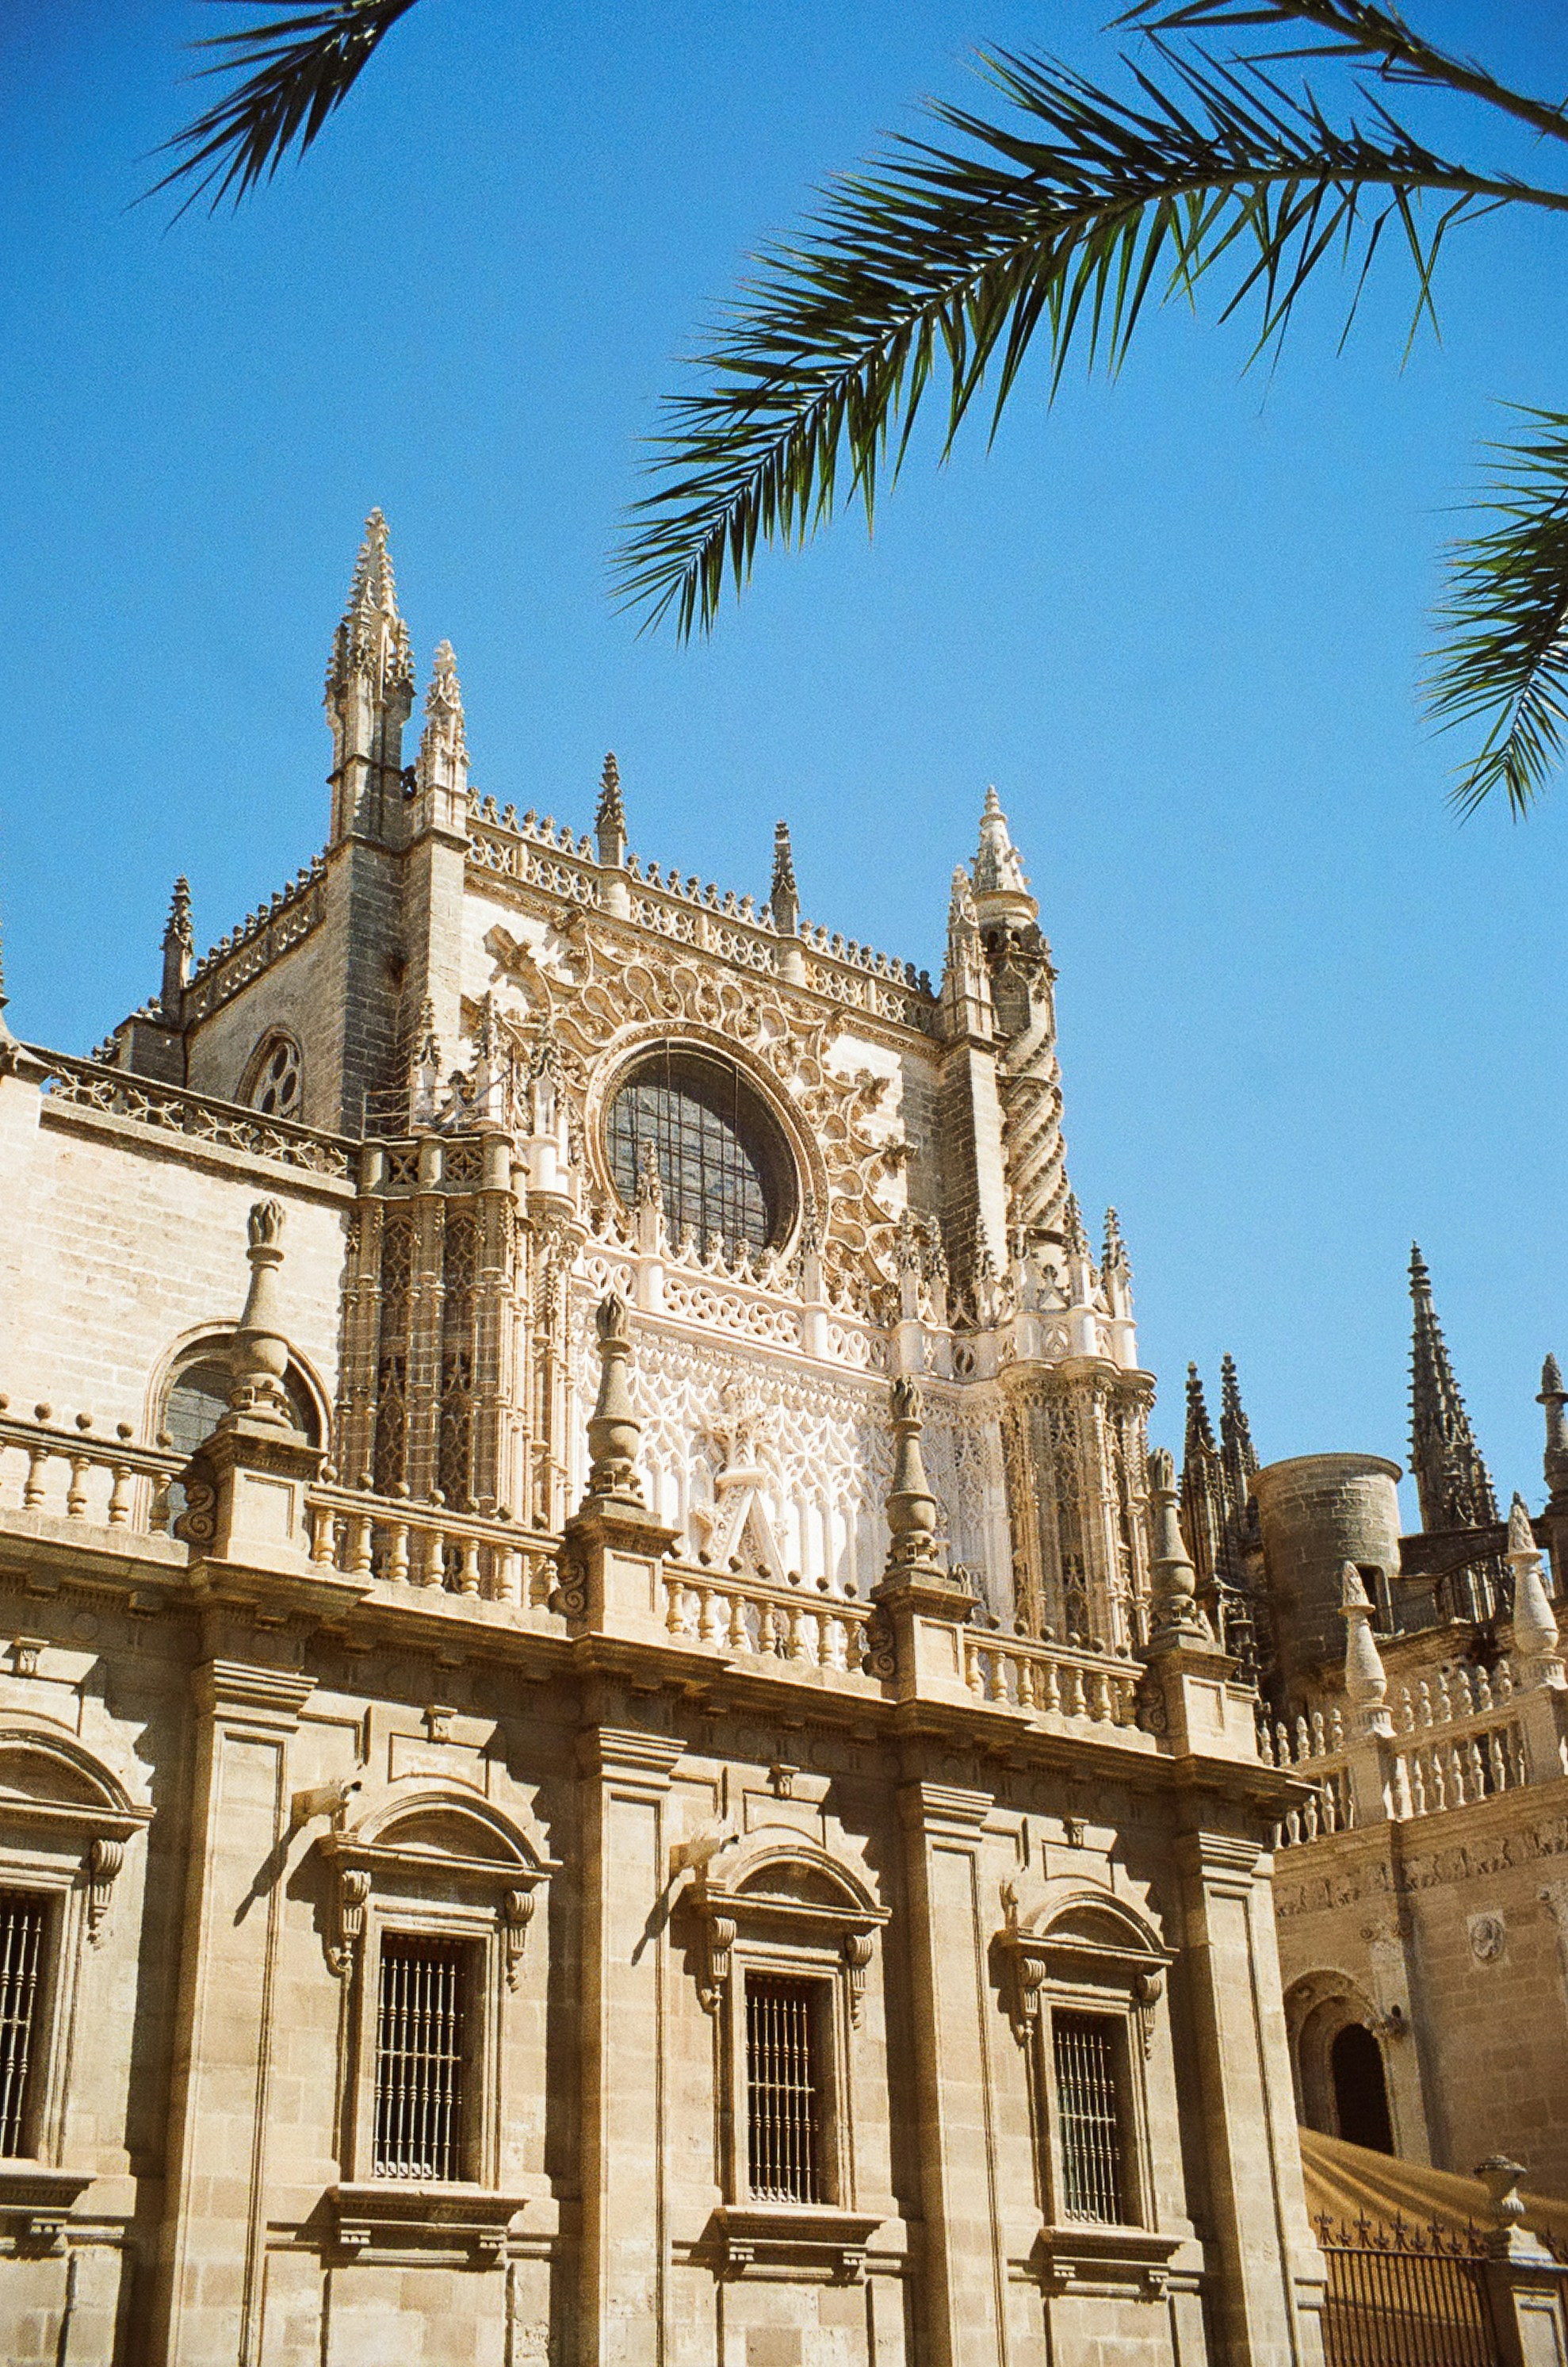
pixel 1099 1709
pixel 1312 1815
pixel 1337 1729
pixel 676 1592
pixel 1496 1761
pixel 740 1635
pixel 1051 1692
pixel 120 1495
pixel 1281 1744
pixel 996 1687
pixel 1477 1769
pixel 321 1525
pixel 359 1559
pixel 1484 1688
pixel 429 1572
pixel 1422 1702
pixel 972 1676
pixel 767 1629
pixel 468 1569
pixel 1445 1701
pixel 835 1641
pixel 1504 1686
pixel 398 1552
pixel 1303 1742
pixel 1407 1712
pixel 1265 1743
pixel 1402 1804
pixel 1418 1784
pixel 1072 1703
pixel 711 1620
pixel 39 1454
pixel 506 1581
pixel 1439 1779
pixel 1319 1739
pixel 799 1649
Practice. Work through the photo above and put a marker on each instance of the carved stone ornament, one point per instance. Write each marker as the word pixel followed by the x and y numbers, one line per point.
pixel 350 1896
pixel 780 1886
pixel 1086 1937
pixel 516 1914
pixel 104 1858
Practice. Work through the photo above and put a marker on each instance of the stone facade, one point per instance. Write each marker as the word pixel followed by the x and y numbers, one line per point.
pixel 1422 1893
pixel 621 1764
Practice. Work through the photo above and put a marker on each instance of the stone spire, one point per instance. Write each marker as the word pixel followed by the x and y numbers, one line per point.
pixel 610 816
pixel 783 896
pixel 179 946
pixel 441 775
pixel 1202 1505
pixel 1452 1482
pixel 966 986
pixel 1239 1454
pixel 1001 892
pixel 369 698
pixel 1553 1397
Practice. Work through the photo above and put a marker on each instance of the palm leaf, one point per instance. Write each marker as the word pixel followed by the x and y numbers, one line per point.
pixel 1503 655
pixel 1066 217
pixel 299 68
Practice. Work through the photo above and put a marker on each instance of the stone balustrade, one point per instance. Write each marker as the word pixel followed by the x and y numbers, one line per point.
pixel 75 1475
pixel 1051 1680
pixel 752 1618
pixel 402 1542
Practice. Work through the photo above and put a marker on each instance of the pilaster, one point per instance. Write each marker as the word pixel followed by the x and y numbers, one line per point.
pixel 961 2306
pixel 247 1710
pixel 625 2318
pixel 1270 2287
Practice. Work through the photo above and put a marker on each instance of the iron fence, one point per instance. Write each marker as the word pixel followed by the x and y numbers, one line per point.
pixel 1404 2296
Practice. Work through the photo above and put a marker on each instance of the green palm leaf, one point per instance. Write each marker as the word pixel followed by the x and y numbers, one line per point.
pixel 1063 218
pixel 1503 655
pixel 300 69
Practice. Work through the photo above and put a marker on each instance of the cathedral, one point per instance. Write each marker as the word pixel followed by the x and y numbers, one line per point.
pixel 612 1750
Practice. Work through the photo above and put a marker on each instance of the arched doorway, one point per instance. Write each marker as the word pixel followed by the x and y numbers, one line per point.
pixel 1360 2090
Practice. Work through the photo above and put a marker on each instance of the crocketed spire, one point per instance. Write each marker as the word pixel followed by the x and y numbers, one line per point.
pixel 1001 892
pixel 369 695
pixel 610 815
pixel 1451 1480
pixel 179 945
pixel 784 897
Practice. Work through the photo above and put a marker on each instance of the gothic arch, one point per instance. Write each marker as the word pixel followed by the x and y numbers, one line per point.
pixel 273 1079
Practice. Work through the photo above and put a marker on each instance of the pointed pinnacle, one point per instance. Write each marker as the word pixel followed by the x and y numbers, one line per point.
pixel 1115 1251
pixel 1199 1432
pixel 374 585
pixel 784 862
pixel 610 812
pixel 1550 1381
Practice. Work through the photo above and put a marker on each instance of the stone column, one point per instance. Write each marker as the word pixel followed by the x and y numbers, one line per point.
pixel 962 2303
pixel 624 2263
pixel 1270 2274
pixel 213 2254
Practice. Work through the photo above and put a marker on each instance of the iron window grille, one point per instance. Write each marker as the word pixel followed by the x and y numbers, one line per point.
pixel 1088 2107
pixel 22 1915
pixel 785 2088
pixel 710 1144
pixel 421 2058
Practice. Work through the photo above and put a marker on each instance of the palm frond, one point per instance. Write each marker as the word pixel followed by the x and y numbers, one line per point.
pixel 1063 219
pixel 299 68
pixel 1360 32
pixel 1504 654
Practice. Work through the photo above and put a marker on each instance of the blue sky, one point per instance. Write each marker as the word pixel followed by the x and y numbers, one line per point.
pixel 1178 620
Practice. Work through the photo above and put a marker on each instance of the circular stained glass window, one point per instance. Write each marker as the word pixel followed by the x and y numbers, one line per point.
pixel 722 1162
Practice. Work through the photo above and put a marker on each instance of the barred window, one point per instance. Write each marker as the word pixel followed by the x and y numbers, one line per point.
pixel 21 1971
pixel 1089 2108
pixel 721 1162
pixel 421 2048
pixel 785 2087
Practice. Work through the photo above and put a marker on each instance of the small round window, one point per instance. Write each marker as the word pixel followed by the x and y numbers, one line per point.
pixel 275 1078
pixel 721 1159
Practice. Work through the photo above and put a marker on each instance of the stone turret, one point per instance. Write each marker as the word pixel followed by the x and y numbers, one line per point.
pixel 369 698
pixel 179 947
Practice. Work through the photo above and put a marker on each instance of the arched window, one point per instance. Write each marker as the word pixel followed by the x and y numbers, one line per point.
pixel 719 1154
pixel 273 1080
pixel 1360 2090
pixel 195 1400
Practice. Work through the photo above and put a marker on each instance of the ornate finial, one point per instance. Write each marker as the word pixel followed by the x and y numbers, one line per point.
pixel 1178 1619
pixel 444 700
pixel 1452 1482
pixel 259 1354
pixel 1199 1433
pixel 911 1507
pixel 1535 1623
pixel 1553 1397
pixel 1074 1231
pixel 179 945
pixel 961 913
pixel 614 1433
pixel 783 896
pixel 1115 1253
pixel 1236 1431
pixel 1000 888
pixel 1366 1680
pixel 610 816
